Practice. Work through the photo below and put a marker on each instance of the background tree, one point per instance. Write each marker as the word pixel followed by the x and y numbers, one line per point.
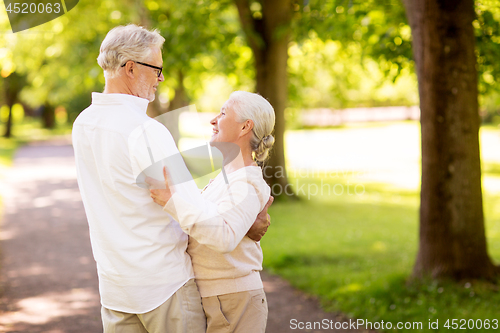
pixel 267 26
pixel 452 238
pixel 12 85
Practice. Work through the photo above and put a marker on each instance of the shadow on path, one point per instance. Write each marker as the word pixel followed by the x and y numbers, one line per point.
pixel 48 275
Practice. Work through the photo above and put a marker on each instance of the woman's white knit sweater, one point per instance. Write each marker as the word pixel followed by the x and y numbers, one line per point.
pixel 224 260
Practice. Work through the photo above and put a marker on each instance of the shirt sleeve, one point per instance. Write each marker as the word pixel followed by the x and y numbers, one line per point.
pixel 222 225
pixel 149 144
pixel 151 148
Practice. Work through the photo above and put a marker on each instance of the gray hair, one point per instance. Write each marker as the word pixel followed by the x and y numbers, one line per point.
pixel 125 43
pixel 251 106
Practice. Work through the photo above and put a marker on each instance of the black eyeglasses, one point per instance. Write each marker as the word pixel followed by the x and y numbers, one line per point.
pixel 160 69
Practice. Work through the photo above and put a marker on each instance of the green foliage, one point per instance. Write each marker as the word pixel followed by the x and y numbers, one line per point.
pixel 203 40
pixel 329 74
pixel 344 53
pixel 58 58
pixel 379 31
pixel 487 29
pixel 378 27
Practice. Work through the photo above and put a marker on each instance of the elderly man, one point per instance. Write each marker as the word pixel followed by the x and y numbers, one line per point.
pixel 146 280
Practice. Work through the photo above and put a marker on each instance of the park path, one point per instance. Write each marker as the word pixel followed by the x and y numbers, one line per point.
pixel 48 277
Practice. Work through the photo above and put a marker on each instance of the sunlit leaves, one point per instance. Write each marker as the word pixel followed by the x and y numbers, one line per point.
pixel 378 27
pixel 487 29
pixel 330 74
pixel 361 42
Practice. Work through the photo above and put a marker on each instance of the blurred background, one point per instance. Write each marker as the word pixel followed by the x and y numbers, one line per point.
pixel 342 78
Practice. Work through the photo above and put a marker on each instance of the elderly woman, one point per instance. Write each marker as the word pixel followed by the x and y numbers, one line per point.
pixel 226 262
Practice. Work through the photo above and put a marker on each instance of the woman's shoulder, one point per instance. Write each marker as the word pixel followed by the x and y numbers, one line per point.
pixel 254 177
pixel 248 173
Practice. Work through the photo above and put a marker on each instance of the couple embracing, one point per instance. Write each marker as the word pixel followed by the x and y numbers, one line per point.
pixel 171 259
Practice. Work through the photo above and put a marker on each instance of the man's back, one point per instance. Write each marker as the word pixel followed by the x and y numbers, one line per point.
pixel 140 251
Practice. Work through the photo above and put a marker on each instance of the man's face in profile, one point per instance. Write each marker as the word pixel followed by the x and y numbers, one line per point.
pixel 148 79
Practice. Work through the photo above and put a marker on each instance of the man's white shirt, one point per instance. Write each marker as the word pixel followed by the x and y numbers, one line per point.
pixel 139 249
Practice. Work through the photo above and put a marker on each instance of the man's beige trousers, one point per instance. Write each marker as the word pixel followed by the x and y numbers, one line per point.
pixel 181 313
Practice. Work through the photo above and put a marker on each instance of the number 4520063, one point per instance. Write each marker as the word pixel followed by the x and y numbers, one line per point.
pixel 33 8
pixel 462 324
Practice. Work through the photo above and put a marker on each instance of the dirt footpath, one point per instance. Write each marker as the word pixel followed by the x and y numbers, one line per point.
pixel 48 277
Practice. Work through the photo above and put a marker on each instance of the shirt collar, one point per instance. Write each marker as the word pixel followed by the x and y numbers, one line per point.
pixel 138 103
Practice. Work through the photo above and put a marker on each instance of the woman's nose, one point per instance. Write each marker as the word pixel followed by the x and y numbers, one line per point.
pixel 213 121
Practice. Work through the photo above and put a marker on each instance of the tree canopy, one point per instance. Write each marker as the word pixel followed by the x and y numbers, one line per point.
pixel 339 36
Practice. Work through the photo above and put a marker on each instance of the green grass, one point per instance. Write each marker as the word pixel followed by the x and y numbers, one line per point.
pixel 7 149
pixel 30 129
pixel 491 168
pixel 356 252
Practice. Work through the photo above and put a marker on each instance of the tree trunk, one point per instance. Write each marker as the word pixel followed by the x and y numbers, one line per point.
pixel 139 14
pixel 49 116
pixel 268 38
pixel 180 100
pixel 12 85
pixel 8 124
pixel 28 110
pixel 452 236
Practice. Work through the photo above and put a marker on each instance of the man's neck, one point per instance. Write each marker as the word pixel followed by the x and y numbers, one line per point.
pixel 117 86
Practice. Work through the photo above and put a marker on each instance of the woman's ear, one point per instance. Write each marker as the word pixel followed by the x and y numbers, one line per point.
pixel 247 127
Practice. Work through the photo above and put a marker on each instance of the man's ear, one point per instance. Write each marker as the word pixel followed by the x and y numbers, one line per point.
pixel 129 69
pixel 247 127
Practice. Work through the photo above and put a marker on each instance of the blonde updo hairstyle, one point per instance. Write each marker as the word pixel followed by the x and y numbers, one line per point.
pixel 125 43
pixel 251 106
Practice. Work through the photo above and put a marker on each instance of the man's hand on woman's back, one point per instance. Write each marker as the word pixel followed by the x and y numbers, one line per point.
pixel 259 228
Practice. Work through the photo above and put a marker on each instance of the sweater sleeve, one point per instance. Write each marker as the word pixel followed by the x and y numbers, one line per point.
pixel 222 225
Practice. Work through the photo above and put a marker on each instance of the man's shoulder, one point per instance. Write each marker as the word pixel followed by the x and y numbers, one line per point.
pixel 118 118
pixel 152 130
pixel 82 115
